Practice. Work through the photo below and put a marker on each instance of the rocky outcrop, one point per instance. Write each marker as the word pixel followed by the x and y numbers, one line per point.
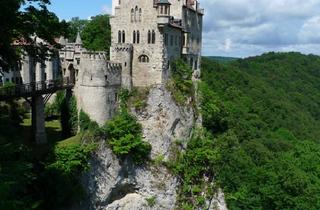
pixel 115 184
pixel 119 184
pixel 164 122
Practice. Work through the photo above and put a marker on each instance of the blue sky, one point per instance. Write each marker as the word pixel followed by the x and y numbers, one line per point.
pixel 236 28
pixel 66 9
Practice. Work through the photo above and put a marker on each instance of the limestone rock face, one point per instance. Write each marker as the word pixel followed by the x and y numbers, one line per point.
pixel 164 123
pixel 114 184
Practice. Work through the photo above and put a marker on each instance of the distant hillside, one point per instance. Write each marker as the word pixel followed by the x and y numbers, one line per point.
pixel 264 113
pixel 222 59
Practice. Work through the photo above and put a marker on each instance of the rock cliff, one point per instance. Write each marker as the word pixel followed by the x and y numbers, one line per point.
pixel 119 184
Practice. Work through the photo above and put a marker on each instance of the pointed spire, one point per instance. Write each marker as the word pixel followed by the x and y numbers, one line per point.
pixel 78 39
pixel 62 41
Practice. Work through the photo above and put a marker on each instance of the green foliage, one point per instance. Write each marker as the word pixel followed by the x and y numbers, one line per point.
pixel 85 123
pixel 75 25
pixel 71 159
pixel 151 201
pixel 138 98
pixel 68 114
pixel 181 85
pixel 263 113
pixel 124 135
pixel 23 23
pixel 196 169
pixel 16 175
pixel 96 35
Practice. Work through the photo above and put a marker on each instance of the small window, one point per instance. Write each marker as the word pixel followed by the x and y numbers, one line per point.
pixel 134 37
pixel 153 37
pixel 171 40
pixel 143 59
pixel 132 15
pixel 138 37
pixel 136 14
pixel 140 14
pixel 119 36
pixel 123 36
pixel 149 37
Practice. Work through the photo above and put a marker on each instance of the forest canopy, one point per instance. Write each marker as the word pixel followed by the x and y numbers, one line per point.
pixel 263 113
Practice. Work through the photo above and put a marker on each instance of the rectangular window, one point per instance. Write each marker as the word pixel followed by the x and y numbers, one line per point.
pixel 171 40
pixel 166 39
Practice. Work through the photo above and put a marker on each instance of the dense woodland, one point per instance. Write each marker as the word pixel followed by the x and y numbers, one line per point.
pixel 264 117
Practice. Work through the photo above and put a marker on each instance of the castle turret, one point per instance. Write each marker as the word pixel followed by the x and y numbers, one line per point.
pixel 98 86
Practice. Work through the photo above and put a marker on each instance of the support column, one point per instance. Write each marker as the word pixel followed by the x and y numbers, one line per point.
pixel 38 121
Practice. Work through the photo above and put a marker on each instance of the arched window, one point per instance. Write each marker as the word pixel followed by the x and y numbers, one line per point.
pixel 132 15
pixel 149 37
pixel 143 59
pixel 136 14
pixel 119 36
pixel 153 37
pixel 140 14
pixel 138 37
pixel 123 36
pixel 134 37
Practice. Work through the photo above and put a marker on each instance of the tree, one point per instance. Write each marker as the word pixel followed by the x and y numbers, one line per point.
pixel 96 35
pixel 74 26
pixel 22 20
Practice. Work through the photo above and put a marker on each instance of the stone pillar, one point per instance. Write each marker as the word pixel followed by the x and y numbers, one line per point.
pixel 38 121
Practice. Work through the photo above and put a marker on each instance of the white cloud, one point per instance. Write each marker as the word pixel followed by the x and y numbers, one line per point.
pixel 310 31
pixel 246 27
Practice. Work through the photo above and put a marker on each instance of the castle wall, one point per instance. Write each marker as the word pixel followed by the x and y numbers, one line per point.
pixel 122 53
pixel 97 87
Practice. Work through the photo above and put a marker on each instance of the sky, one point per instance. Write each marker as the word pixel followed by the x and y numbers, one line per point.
pixel 236 28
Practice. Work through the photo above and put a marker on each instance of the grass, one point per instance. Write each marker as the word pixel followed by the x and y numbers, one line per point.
pixel 75 140
pixel 53 130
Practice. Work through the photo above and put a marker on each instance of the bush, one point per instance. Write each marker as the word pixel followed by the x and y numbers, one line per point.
pixel 86 124
pixel 124 135
pixel 69 115
pixel 181 85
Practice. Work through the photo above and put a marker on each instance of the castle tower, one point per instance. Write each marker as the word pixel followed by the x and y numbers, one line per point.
pixel 98 86
pixel 157 32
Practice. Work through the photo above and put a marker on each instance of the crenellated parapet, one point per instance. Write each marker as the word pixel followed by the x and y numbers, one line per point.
pixel 121 47
pixel 94 55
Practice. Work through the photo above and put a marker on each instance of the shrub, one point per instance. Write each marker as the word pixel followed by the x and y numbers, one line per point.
pixel 181 85
pixel 151 201
pixel 85 123
pixel 124 135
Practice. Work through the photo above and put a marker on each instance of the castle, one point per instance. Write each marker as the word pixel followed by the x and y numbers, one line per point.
pixel 146 36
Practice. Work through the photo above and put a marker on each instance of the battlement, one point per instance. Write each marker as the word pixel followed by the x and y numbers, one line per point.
pixel 94 55
pixel 113 65
pixel 124 47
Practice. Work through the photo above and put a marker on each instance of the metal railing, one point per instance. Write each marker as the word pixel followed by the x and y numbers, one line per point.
pixel 35 88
